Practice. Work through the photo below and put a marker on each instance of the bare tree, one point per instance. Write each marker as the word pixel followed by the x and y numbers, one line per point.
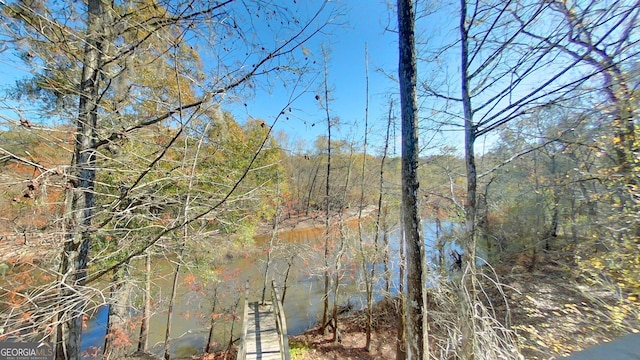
pixel 600 36
pixel 508 71
pixel 505 73
pixel 368 275
pixel 327 194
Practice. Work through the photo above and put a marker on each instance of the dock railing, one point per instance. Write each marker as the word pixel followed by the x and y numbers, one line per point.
pixel 281 321
pixel 242 351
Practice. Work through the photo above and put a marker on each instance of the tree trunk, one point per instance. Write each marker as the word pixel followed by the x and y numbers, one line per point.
pixel 80 199
pixel 274 234
pixel 401 349
pixel 469 256
pixel 415 306
pixel 368 278
pixel 483 222
pixel 234 316
pixel 286 277
pixel 552 231
pixel 469 141
pixel 338 264
pixel 311 186
pixel 172 300
pixel 212 323
pixel 386 254
pixel 325 312
pixel 381 220
pixel 143 341
pixel 118 332
pixel 336 291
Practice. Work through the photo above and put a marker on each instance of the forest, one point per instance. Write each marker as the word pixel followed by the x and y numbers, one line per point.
pixel 121 148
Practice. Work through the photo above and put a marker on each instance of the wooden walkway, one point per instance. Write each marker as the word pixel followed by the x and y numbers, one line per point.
pixel 264 330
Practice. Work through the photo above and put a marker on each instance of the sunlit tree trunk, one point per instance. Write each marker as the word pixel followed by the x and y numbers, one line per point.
pixel 367 274
pixel 327 241
pixel 469 142
pixel 415 304
pixel 469 256
pixel 381 218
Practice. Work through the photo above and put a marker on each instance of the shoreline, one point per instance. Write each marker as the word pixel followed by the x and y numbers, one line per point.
pixel 315 220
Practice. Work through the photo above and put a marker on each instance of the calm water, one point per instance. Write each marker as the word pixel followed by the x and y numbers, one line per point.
pixel 303 298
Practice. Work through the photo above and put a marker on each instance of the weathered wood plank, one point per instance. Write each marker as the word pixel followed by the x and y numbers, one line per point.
pixel 262 339
pixel 264 332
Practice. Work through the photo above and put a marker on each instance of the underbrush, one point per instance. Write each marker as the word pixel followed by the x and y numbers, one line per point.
pixel 298 349
pixel 567 299
pixel 523 309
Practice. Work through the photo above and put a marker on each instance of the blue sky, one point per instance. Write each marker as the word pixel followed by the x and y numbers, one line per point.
pixel 369 23
pixel 362 24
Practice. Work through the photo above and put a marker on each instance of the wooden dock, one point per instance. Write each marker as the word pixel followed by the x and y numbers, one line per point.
pixel 264 330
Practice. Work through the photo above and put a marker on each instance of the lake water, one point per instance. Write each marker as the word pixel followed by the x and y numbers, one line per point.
pixel 303 300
